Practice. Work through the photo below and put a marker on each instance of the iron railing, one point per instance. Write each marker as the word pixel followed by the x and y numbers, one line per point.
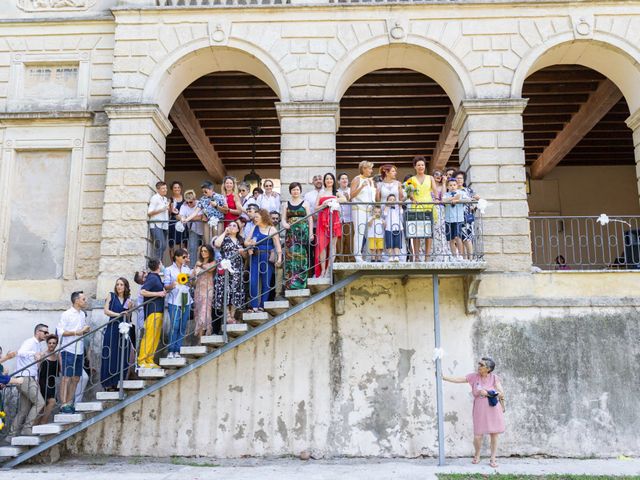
pixel 585 242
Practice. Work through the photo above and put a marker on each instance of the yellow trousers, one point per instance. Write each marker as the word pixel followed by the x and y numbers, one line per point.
pixel 150 340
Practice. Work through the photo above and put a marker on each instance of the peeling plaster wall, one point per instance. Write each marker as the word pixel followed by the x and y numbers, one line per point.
pixel 362 384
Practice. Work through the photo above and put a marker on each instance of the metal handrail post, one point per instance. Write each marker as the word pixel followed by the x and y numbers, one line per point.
pixel 225 306
pixel 122 347
pixel 439 393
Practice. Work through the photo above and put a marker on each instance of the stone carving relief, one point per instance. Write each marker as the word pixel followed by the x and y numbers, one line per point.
pixel 55 5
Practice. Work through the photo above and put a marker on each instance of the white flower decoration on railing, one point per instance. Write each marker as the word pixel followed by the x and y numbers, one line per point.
pixel 334 205
pixel 213 222
pixel 123 328
pixel 438 353
pixel 604 219
pixel 226 265
pixel 482 205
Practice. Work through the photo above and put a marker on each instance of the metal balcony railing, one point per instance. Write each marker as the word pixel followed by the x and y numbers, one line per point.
pixel 585 243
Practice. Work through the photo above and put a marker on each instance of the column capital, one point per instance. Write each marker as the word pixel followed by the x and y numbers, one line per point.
pixel 308 109
pixel 133 111
pixel 633 122
pixel 487 106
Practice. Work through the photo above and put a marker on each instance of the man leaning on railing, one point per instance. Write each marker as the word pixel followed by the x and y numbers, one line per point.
pixel 31 401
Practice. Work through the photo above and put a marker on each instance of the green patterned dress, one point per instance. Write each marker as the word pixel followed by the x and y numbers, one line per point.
pixel 296 264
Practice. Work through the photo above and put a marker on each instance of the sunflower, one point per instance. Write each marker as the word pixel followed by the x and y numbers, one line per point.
pixel 183 278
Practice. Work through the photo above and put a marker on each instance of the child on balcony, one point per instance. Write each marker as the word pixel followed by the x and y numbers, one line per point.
pixel 375 234
pixel 393 228
pixel 454 217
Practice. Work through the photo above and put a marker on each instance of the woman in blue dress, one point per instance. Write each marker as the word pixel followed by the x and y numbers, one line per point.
pixel 263 246
pixel 118 302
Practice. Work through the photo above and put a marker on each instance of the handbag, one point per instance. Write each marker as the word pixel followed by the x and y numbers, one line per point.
pixel 468 216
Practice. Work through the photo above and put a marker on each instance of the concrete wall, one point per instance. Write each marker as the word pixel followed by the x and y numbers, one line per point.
pixel 362 384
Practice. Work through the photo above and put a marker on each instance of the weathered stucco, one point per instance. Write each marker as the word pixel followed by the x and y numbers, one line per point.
pixel 362 383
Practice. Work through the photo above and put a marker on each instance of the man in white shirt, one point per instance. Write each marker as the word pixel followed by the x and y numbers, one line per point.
pixel 178 301
pixel 31 401
pixel 158 214
pixel 311 197
pixel 73 324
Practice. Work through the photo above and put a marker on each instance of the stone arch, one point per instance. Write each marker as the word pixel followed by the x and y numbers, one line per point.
pixel 416 53
pixel 198 58
pixel 611 56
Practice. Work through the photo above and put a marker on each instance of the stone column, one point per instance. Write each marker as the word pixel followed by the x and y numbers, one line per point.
pixel 307 141
pixel 491 146
pixel 633 122
pixel 135 162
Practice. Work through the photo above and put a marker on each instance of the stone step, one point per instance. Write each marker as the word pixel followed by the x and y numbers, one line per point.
pixel 297 296
pixel 212 340
pixel 133 384
pixel 6 452
pixel 277 307
pixel 151 373
pixel 68 418
pixel 194 351
pixel 237 329
pixel 89 406
pixel 108 396
pixel 256 318
pixel 318 284
pixel 48 429
pixel 25 441
pixel 173 362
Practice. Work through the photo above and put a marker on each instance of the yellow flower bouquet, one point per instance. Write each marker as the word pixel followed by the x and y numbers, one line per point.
pixel 183 278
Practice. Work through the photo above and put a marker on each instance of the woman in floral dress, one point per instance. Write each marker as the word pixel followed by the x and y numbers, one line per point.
pixel 296 263
pixel 203 295
pixel 231 248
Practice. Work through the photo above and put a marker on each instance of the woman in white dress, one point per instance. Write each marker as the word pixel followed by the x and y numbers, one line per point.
pixel 389 184
pixel 441 252
pixel 363 191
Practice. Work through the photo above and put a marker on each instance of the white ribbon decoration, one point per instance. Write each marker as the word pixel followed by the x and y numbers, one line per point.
pixel 482 205
pixel 179 227
pixel 603 219
pixel 438 353
pixel 226 265
pixel 213 222
pixel 334 205
pixel 124 327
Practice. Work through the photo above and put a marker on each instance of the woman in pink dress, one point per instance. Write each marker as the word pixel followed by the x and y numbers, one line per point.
pixel 203 296
pixel 488 419
pixel 329 227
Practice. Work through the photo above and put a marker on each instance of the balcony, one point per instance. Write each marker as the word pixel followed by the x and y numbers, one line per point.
pixel 585 242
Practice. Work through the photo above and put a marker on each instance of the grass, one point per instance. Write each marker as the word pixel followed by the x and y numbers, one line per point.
pixel 497 476
pixel 191 463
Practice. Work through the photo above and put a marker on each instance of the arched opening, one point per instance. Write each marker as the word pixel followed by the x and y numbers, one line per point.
pixel 389 116
pixel 580 157
pixel 236 113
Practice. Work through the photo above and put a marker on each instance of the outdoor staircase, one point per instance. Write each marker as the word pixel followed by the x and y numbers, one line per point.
pixel 89 413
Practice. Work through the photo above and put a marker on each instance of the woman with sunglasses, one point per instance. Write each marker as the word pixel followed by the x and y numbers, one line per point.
pixel 488 413
pixel 195 227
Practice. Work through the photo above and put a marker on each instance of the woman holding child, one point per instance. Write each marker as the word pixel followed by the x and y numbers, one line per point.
pixel 363 193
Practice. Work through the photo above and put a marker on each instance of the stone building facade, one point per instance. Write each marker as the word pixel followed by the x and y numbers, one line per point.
pixel 86 88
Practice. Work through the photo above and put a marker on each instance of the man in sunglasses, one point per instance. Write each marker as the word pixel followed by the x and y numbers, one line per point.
pixel 31 401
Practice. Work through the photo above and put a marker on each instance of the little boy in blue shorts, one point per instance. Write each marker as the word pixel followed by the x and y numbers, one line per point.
pixel 454 218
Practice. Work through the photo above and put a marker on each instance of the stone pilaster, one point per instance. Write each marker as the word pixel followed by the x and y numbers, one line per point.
pixel 491 147
pixel 633 122
pixel 307 142
pixel 135 162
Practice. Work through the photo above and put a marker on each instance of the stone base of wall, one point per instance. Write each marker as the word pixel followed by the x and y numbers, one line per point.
pixel 362 383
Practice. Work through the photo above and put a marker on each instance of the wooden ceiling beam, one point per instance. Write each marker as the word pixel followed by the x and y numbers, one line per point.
pixel 184 118
pixel 591 112
pixel 446 143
